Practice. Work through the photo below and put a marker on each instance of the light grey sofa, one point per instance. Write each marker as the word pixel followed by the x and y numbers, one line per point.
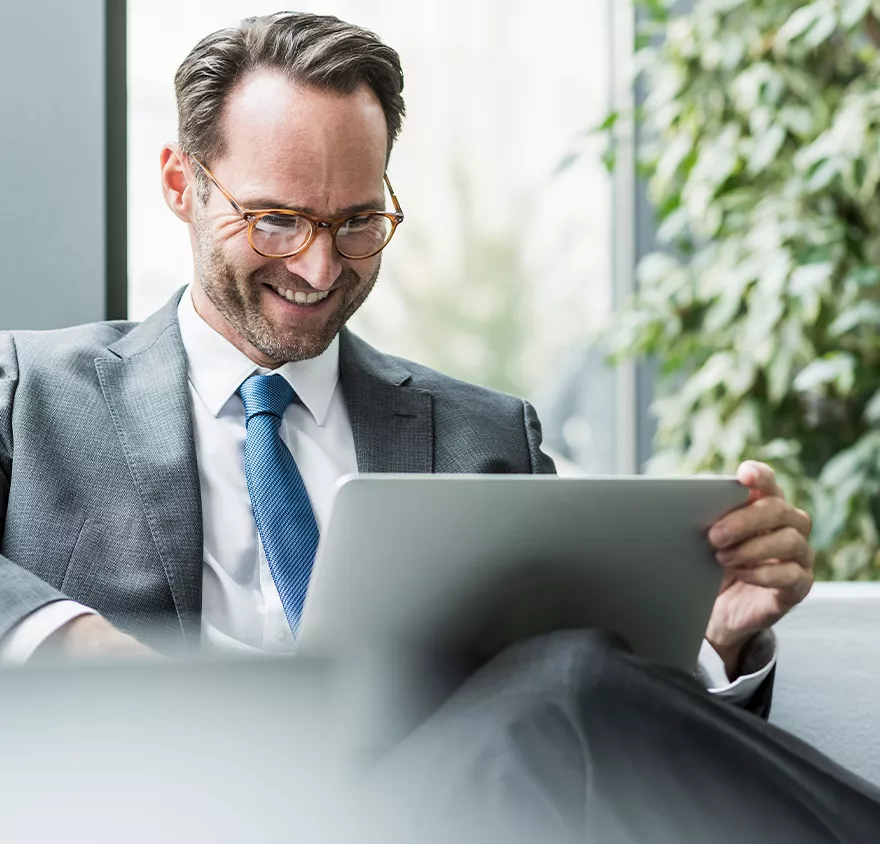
pixel 828 678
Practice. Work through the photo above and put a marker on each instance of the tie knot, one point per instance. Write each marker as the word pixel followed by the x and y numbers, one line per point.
pixel 265 394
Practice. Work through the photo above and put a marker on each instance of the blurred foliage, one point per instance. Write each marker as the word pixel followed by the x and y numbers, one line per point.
pixel 762 154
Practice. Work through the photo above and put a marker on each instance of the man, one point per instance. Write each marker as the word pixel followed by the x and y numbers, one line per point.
pixel 167 480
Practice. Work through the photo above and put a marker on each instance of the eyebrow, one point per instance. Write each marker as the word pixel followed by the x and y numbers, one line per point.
pixel 262 204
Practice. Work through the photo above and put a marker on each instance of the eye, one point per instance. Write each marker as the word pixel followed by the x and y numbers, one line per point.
pixel 280 223
pixel 360 223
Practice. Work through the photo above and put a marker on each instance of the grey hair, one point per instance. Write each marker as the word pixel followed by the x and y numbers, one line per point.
pixel 320 51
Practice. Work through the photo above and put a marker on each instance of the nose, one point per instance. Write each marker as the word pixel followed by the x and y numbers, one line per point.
pixel 319 263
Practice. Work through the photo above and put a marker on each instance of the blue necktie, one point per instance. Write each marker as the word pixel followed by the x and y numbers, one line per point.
pixel 279 499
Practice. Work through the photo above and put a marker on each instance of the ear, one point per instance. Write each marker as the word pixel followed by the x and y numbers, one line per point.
pixel 178 182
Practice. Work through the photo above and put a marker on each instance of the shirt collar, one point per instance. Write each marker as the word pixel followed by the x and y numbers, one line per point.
pixel 216 368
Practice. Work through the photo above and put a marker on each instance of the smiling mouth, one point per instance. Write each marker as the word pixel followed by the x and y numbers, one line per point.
pixel 300 297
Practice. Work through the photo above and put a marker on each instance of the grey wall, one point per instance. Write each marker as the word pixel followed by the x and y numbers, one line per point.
pixel 62 162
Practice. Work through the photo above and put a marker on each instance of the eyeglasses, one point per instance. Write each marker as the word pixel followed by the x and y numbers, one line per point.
pixel 281 233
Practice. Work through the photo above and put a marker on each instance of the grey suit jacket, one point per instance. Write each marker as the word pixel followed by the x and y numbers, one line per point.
pixel 99 486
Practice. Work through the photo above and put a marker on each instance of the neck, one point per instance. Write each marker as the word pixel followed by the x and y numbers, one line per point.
pixel 206 309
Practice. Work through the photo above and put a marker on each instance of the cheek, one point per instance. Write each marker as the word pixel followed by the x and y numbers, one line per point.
pixel 231 236
pixel 366 270
pixel 235 252
pixel 225 241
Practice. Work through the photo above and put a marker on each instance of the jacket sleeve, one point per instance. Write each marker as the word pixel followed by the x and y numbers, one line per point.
pixel 20 591
pixel 760 701
pixel 541 464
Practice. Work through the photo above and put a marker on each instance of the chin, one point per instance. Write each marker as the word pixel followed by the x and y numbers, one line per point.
pixel 299 347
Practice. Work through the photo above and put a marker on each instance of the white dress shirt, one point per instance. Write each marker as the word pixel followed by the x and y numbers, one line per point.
pixel 240 604
pixel 241 608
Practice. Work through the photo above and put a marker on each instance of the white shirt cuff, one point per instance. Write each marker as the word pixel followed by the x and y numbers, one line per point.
pixel 19 644
pixel 758 662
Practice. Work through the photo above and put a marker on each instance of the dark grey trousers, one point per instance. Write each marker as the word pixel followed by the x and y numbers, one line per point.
pixel 571 737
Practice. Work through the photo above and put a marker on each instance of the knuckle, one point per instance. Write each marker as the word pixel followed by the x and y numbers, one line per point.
pixel 807 518
pixel 770 511
pixel 771 503
pixel 808 582
pixel 794 540
pixel 810 563
pixel 784 576
pixel 780 506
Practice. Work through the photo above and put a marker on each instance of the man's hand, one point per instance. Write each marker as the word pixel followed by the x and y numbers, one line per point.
pixel 768 564
pixel 91 637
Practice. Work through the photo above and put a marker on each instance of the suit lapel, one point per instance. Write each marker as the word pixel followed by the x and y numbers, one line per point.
pixel 145 386
pixel 392 424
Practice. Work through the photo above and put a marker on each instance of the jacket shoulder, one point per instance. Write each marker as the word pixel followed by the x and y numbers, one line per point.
pixel 478 399
pixel 477 428
pixel 64 346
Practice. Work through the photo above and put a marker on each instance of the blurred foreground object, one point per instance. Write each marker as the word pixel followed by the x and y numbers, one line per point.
pixel 833 633
pixel 761 124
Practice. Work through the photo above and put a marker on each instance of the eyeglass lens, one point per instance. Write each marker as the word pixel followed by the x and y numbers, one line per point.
pixel 358 237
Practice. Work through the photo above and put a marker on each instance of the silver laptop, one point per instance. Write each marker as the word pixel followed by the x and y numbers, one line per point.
pixel 472 563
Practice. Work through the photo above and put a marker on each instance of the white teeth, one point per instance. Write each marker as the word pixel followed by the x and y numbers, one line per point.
pixel 300 296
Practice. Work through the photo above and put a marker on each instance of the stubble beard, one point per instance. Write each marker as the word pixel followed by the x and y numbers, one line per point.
pixel 237 298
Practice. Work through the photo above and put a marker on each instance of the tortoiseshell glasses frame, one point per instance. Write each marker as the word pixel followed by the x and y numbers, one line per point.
pixel 252 216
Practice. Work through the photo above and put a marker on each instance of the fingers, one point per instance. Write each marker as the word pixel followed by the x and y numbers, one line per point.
pixel 791 580
pixel 759 477
pixel 766 515
pixel 787 544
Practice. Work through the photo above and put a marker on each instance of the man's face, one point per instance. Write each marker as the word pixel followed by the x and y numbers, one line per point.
pixel 306 150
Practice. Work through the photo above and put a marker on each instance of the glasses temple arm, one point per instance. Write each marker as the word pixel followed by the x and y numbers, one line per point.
pixel 397 207
pixel 229 197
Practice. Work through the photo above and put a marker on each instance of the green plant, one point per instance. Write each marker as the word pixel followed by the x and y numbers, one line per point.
pixel 762 305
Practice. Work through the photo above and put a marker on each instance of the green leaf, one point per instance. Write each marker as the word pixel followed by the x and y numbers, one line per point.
pixel 804 19
pixel 810 285
pixel 657 9
pixel 851 559
pixel 766 148
pixel 824 27
pixel 853 12
pixel 821 174
pixel 862 314
pixel 780 450
pixel 811 277
pixel 871 413
pixel 655 267
pixel 609 159
pixel 836 369
pixel 609 122
pixel 849 465
pixel 799 120
pixel 865 277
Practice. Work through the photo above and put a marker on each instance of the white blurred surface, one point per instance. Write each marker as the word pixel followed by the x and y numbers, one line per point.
pixel 828 676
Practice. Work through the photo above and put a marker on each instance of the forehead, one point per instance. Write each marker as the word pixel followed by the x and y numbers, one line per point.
pixel 301 145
